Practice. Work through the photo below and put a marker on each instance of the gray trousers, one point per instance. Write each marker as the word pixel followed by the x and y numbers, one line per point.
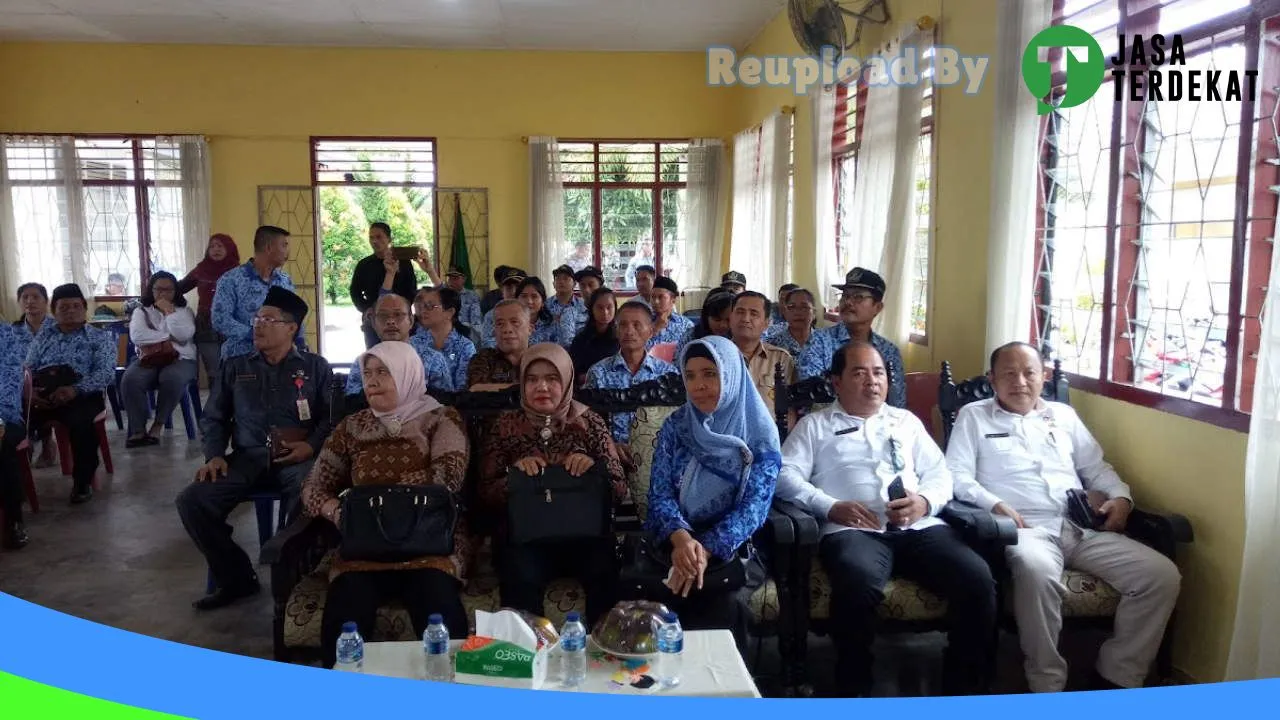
pixel 204 507
pixel 210 356
pixel 170 382
pixel 1147 581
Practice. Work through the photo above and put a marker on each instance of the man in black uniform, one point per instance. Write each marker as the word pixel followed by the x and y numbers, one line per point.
pixel 273 405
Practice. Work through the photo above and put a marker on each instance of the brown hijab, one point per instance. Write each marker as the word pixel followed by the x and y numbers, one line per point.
pixel 569 410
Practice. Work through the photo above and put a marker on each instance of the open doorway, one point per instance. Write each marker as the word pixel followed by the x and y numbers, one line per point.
pixel 360 181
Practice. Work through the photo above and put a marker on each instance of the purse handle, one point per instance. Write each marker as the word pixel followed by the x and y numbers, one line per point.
pixel 377 516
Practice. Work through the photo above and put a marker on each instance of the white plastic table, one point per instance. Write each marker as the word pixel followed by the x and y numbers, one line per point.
pixel 712 668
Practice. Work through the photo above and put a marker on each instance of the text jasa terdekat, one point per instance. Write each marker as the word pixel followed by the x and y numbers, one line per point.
pixel 1154 68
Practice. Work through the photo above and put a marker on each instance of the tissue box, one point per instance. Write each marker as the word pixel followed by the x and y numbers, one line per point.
pixel 497 663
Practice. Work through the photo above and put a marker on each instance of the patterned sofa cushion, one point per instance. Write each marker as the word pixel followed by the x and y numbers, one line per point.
pixel 644 437
pixel 1086 596
pixel 305 608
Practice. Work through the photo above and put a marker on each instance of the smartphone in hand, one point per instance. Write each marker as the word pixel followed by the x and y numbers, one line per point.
pixel 897 491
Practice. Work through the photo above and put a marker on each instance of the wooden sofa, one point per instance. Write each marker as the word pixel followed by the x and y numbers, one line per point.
pixel 299 555
pixel 908 607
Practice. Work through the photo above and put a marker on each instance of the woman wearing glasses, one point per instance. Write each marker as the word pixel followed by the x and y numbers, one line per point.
pixel 795 332
pixel 440 329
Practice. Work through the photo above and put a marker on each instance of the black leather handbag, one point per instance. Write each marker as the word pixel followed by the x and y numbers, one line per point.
pixel 394 523
pixel 555 505
pixel 644 572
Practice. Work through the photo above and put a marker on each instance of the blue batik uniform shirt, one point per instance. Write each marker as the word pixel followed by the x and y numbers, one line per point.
pixel 237 299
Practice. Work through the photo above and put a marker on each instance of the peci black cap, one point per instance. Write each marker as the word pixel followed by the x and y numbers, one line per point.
pixel 286 301
pixel 733 277
pixel 865 279
pixel 666 283
pixel 589 271
pixel 66 292
pixel 512 275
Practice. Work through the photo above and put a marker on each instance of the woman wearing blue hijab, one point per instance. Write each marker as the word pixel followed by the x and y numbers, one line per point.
pixel 715 466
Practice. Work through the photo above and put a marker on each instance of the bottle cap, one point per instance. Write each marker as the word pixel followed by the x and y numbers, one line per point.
pixel 348 627
pixel 670 617
pixel 435 619
pixel 573 616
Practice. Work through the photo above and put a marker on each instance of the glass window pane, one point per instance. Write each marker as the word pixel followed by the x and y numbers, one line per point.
pixel 924 231
pixel 167 239
pixel 111 235
pixel 675 262
pixel 626 228
pixel 105 159
pixel 628 162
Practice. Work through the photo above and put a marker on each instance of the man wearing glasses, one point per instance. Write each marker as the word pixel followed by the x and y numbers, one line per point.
pixel 861 301
pixel 1020 456
pixel 272 404
pixel 393 321
pixel 876 479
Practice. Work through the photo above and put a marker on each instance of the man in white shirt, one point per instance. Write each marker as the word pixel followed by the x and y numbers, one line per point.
pixel 1017 455
pixel 839 464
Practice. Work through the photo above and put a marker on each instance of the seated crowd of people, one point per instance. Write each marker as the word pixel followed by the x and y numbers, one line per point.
pixel 865 466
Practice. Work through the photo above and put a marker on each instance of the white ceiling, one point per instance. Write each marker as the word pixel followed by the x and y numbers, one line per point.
pixel 652 25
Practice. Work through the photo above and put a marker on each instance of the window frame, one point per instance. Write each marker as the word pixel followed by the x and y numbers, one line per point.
pixel 141 186
pixel 1254 175
pixel 656 187
pixel 843 147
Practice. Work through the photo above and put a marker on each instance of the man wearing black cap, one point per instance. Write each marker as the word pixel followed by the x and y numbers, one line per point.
pixel 671 326
pixel 564 301
pixel 508 283
pixel 72 363
pixel 494 296
pixel 861 301
pixel 469 314
pixel 590 279
pixel 733 281
pixel 273 406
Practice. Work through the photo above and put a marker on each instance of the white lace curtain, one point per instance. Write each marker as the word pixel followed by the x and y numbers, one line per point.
pixel 1011 241
pixel 698 265
pixel 823 115
pixel 1255 644
pixel 546 207
pixel 761 173
pixel 884 213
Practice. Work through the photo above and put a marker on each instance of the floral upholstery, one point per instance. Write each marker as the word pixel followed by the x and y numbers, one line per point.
pixel 1086 596
pixel 306 604
pixel 644 437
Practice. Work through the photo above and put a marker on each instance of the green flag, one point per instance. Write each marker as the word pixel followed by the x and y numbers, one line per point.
pixel 459 253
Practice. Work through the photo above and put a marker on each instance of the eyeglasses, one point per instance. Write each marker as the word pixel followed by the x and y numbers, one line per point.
pixel 895 455
pixel 856 298
pixel 385 317
pixel 428 307
pixel 268 321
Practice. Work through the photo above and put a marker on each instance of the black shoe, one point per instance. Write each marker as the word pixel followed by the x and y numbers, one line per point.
pixel 15 536
pixel 1097 682
pixel 224 596
pixel 144 441
pixel 81 495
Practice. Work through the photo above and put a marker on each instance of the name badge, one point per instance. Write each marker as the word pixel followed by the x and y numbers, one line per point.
pixel 304 409
pixel 246 378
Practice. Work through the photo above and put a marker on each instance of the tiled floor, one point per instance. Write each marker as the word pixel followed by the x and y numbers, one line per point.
pixel 124 560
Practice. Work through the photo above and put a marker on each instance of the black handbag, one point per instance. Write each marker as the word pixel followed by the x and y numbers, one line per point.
pixel 394 523
pixel 555 505
pixel 644 574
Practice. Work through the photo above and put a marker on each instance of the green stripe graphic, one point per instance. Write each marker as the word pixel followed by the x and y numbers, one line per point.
pixel 22 699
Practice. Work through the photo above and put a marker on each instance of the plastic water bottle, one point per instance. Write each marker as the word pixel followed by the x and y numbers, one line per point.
pixel 573 651
pixel 435 646
pixel 350 649
pixel 670 651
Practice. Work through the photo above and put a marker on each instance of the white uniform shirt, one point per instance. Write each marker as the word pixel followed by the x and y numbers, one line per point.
pixel 824 461
pixel 1027 461
pixel 178 328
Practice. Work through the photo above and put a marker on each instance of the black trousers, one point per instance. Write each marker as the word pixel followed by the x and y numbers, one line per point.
pixel 11 473
pixel 356 596
pixel 77 416
pixel 204 508
pixel 859 565
pixel 525 571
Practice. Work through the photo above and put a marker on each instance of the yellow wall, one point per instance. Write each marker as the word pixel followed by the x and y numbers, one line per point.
pixel 259 106
pixel 1173 464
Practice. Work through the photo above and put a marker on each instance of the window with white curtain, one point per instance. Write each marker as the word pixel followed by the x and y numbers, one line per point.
pixel 102 211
